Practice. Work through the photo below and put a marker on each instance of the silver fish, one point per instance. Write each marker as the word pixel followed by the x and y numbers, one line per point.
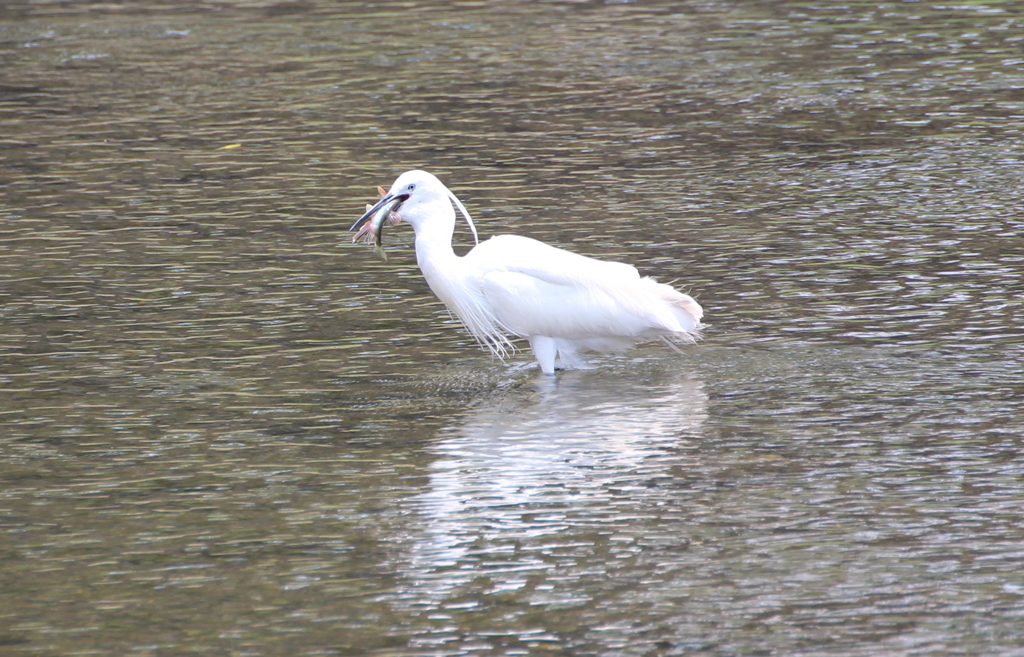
pixel 374 228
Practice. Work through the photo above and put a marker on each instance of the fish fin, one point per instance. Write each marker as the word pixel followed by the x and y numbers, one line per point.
pixel 366 230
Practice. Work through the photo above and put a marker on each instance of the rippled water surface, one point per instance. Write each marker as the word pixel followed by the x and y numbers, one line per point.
pixel 225 430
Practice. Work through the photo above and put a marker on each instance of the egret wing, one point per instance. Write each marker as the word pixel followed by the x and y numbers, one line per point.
pixel 536 289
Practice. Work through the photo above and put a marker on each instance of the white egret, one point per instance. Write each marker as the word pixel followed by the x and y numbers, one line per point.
pixel 561 302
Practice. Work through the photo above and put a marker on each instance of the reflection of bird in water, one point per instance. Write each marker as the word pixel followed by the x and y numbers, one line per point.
pixel 561 302
pixel 583 428
pixel 581 451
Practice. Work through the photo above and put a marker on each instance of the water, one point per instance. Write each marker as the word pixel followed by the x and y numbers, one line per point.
pixel 227 431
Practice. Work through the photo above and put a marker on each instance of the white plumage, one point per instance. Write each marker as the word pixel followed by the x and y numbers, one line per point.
pixel 561 302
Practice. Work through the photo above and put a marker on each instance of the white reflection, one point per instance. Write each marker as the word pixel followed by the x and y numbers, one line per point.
pixel 538 461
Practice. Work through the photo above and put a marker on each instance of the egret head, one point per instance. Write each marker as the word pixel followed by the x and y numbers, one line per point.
pixel 418 197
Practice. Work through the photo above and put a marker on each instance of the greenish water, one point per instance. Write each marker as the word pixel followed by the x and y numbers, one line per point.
pixel 226 430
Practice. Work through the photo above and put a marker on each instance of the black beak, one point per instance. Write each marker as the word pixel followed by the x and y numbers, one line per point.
pixel 396 199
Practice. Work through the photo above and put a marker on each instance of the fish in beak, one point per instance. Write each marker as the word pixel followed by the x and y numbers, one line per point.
pixel 371 224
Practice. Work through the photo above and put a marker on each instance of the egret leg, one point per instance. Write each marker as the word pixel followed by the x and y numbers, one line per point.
pixel 567 354
pixel 544 350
